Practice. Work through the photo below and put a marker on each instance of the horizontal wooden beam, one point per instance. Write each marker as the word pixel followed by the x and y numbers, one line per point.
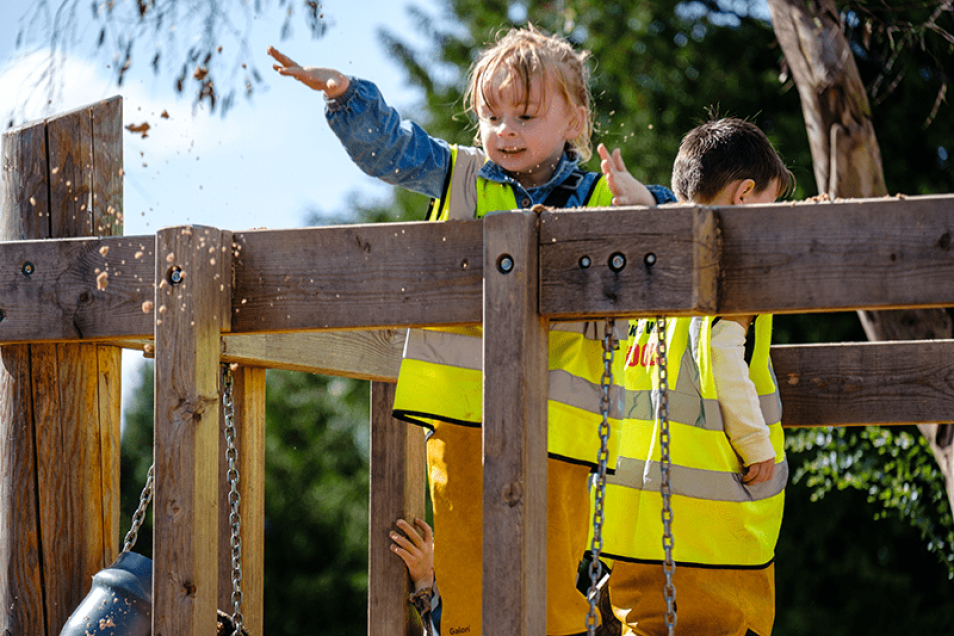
pixel 887 253
pixel 677 260
pixel 606 261
pixel 821 385
pixel 365 355
pixel 868 383
pixel 77 289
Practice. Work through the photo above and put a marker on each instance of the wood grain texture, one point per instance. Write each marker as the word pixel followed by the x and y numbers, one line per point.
pixel 85 288
pixel 866 383
pixel 365 355
pixel 514 431
pixel 780 258
pixel 190 316
pixel 872 253
pixel 24 203
pixel 397 492
pixel 72 390
pixel 388 274
pixel 671 262
pixel 21 578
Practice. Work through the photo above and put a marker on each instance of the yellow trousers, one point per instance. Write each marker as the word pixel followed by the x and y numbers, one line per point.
pixel 709 602
pixel 455 477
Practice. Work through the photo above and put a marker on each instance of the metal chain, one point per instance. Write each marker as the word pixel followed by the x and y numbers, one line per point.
pixel 235 519
pixel 669 566
pixel 140 513
pixel 596 548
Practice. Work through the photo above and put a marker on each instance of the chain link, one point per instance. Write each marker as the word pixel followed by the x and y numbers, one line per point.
pixel 235 519
pixel 140 513
pixel 669 566
pixel 596 548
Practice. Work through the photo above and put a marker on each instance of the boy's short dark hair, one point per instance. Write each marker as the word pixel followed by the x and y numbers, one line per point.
pixel 721 151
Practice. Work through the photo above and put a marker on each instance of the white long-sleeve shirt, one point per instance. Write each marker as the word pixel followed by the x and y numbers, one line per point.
pixel 739 401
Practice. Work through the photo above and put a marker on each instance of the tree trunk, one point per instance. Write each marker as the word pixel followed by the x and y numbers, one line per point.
pixel 847 160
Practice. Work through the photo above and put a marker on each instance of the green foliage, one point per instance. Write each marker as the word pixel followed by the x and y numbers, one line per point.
pixel 893 465
pixel 839 571
pixel 316 498
pixel 316 504
pixel 136 456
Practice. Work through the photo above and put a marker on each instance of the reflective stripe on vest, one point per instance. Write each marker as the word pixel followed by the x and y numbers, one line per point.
pixel 717 520
pixel 441 372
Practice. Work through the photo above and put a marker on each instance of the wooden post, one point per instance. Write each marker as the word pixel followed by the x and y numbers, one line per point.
pixel 60 405
pixel 514 430
pixel 193 304
pixel 248 402
pixel 397 491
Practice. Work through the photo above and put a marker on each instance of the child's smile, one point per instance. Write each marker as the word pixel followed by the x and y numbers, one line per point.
pixel 525 134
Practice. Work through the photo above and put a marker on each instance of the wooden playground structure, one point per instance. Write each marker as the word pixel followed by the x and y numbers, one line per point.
pixel 335 300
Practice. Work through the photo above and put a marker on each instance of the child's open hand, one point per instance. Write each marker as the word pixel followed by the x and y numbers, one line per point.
pixel 328 80
pixel 417 551
pixel 759 472
pixel 626 189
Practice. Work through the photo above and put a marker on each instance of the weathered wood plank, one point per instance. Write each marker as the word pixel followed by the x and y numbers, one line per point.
pixel 190 316
pixel 70 139
pixel 25 204
pixel 910 382
pixel 110 402
pixel 74 403
pixel 854 254
pixel 612 259
pixel 349 277
pixel 397 491
pixel 21 583
pixel 107 196
pixel 248 402
pixel 782 258
pixel 514 430
pixel 70 467
pixel 84 288
pixel 365 355
pixel 24 183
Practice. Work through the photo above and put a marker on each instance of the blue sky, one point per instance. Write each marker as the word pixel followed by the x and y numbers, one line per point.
pixel 262 165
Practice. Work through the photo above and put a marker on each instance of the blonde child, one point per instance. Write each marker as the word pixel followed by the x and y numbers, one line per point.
pixel 529 95
pixel 728 469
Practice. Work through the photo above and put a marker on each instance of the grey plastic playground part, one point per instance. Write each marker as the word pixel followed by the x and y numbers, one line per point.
pixel 119 603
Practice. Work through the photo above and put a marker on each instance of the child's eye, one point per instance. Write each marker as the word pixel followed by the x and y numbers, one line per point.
pixel 527 117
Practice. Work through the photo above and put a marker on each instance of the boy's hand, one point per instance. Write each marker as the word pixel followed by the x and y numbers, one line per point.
pixel 328 80
pixel 626 189
pixel 759 472
pixel 417 551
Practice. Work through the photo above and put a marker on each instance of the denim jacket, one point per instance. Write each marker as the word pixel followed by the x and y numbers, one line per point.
pixel 401 153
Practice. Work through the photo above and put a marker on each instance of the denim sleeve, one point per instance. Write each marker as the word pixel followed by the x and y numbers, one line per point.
pixel 385 146
pixel 662 194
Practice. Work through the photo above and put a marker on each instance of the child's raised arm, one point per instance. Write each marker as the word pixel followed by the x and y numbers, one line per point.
pixel 626 189
pixel 328 80
pixel 417 551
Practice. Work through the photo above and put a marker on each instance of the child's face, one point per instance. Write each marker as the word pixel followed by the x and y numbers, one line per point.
pixel 525 135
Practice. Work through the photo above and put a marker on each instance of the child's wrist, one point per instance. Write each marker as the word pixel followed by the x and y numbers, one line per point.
pixel 424 583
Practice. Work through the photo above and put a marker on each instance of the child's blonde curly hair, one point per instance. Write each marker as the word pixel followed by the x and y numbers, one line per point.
pixel 528 54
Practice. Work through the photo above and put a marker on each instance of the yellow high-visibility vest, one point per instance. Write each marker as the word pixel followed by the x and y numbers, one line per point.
pixel 716 519
pixel 441 371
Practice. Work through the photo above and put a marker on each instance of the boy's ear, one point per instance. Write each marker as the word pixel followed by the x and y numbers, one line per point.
pixel 741 190
pixel 577 122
